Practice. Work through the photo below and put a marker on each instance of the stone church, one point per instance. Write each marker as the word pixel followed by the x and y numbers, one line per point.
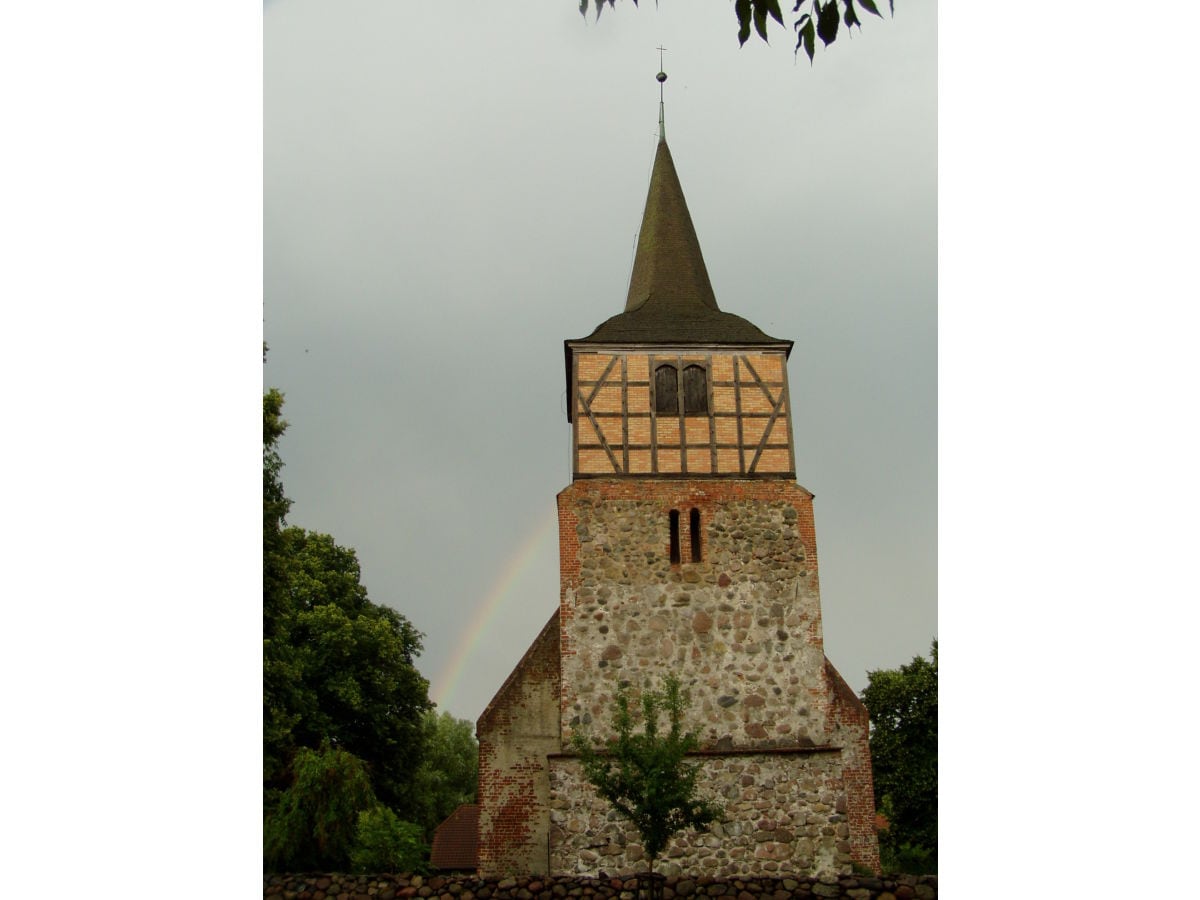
pixel 686 547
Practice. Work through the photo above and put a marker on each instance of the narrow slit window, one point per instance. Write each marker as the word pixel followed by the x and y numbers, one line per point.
pixel 674 537
pixel 694 529
pixel 666 390
pixel 695 391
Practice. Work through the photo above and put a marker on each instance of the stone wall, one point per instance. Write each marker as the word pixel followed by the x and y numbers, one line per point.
pixel 316 886
pixel 741 628
pixel 783 812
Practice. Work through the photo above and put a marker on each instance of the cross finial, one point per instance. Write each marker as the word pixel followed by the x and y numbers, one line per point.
pixel 661 76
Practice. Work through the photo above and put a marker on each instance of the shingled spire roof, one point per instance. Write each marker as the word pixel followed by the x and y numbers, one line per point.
pixel 670 298
pixel 669 265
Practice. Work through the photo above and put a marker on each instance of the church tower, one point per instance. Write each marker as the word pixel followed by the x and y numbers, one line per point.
pixel 686 548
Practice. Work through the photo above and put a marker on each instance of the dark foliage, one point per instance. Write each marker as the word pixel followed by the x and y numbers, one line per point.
pixel 338 670
pixel 449 772
pixel 387 844
pixel 817 19
pixel 903 706
pixel 313 826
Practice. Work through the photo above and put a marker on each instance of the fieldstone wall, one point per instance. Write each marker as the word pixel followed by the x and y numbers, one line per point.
pixel 741 628
pixel 783 813
pixel 316 886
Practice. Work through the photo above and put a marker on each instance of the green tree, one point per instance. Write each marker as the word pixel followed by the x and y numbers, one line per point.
pixel 275 505
pixel 449 773
pixel 903 707
pixel 644 776
pixel 360 687
pixel 338 669
pixel 384 843
pixel 313 827
pixel 282 683
pixel 821 20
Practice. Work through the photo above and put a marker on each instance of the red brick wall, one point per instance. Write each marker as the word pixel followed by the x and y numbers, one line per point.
pixel 516 732
pixel 850 727
pixel 568 568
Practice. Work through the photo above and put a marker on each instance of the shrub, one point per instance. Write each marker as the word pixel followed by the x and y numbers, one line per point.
pixel 908 859
pixel 387 844
pixel 313 827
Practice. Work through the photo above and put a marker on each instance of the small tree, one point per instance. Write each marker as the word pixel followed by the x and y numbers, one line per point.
pixel 644 776
pixel 315 824
pixel 384 843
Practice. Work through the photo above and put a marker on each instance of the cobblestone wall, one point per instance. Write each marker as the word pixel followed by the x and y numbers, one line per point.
pixel 741 627
pixel 783 813
pixel 739 623
pixel 316 886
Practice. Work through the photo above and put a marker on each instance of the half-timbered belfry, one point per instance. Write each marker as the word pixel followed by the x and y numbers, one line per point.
pixel 686 547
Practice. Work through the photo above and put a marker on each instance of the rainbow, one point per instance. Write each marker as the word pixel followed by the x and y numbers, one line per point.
pixel 445 685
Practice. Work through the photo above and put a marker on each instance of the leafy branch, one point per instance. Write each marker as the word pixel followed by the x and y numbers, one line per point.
pixel 822 20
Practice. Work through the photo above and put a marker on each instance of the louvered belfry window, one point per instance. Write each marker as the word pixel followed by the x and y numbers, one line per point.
pixel 666 390
pixel 695 391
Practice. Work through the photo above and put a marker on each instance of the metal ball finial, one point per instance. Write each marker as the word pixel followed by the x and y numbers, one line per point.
pixel 661 76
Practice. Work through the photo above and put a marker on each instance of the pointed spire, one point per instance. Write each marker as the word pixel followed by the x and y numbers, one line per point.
pixel 670 299
pixel 668 267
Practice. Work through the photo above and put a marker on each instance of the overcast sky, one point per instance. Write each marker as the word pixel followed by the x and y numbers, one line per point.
pixel 450 193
